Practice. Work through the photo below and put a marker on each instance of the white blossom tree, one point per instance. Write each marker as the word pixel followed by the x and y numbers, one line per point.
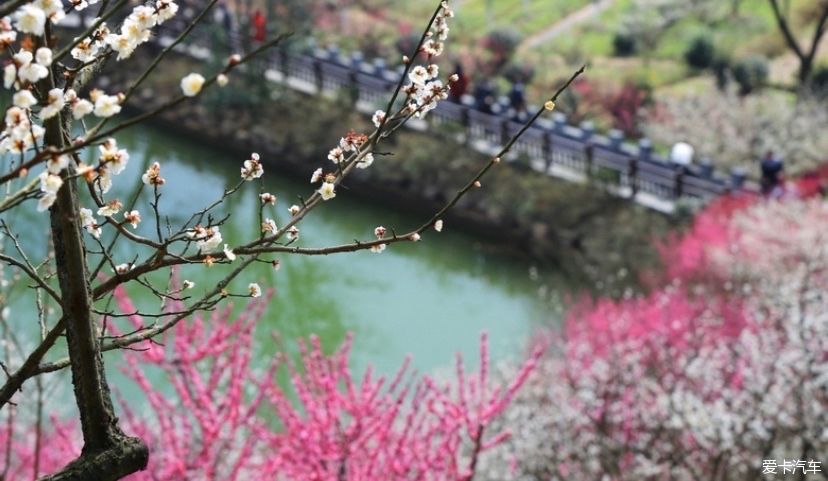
pixel 701 380
pixel 737 131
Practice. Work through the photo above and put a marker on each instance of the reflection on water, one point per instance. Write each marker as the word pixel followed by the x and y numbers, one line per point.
pixel 430 299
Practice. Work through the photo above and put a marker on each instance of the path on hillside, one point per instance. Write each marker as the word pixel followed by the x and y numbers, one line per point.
pixel 577 17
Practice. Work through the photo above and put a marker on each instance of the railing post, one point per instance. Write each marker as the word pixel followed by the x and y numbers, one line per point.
pixel 284 62
pixel 587 130
pixel 547 147
pixel 678 188
pixel 504 131
pixel 645 151
pixel 465 121
pixel 318 75
pixel 616 138
pixel 353 84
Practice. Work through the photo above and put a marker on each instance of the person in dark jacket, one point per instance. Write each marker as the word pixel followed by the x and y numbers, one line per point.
pixel 517 100
pixel 484 96
pixel 772 170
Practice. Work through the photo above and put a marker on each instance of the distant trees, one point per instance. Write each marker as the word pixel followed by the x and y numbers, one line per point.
pixel 734 130
pixel 805 52
pixel 647 21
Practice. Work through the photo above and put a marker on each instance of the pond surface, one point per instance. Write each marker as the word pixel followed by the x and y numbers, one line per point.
pixel 429 299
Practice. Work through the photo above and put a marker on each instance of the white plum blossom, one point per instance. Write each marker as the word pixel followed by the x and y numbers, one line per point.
pixel 166 10
pixel 80 107
pixel 269 226
pixel 136 29
pixel 144 16
pixel 433 70
pixel 24 99
pixel 365 161
pixel 86 216
pixel 378 118
pixel 7 34
pixel 207 238
pixel 415 237
pixel 433 48
pixel 56 163
pixel 294 209
pixel 191 84
pixel 293 233
pixel 327 191
pixel 380 231
pixel 105 105
pixel 252 168
pixel 27 70
pixel 418 75
pixel 123 268
pixel 49 186
pixel 267 198
pixel 44 56
pixel 9 75
pixel 153 175
pixel 438 225
pixel 55 103
pixel 229 254
pixel 110 208
pixel 86 50
pixel 103 179
pixel 254 290
pixel 112 157
pixel 222 80
pixel 133 217
pixel 123 44
pixel 352 142
pixel 52 8
pixel 336 155
pixel 378 248
pixel 187 284
pixel 89 223
pixel 30 19
pixel 20 133
pixel 317 176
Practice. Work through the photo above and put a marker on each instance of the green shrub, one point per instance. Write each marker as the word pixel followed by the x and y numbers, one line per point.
pixel 819 80
pixel 701 53
pixel 624 44
pixel 721 69
pixel 751 74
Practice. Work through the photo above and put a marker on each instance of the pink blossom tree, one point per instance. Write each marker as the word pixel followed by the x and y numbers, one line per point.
pixel 226 420
pixel 703 379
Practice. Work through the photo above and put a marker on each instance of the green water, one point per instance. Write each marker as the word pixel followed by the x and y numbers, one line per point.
pixel 429 299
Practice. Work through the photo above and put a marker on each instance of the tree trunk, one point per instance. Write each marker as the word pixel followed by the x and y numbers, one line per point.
pixel 108 454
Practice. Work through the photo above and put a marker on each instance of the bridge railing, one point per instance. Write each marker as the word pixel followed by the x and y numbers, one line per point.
pixel 553 147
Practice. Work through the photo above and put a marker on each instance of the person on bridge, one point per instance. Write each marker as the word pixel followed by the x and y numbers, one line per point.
pixel 259 23
pixel 461 86
pixel 772 172
pixel 224 16
pixel 517 100
pixel 484 96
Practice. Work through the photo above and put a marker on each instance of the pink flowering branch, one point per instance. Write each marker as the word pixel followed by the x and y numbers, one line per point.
pixel 215 425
